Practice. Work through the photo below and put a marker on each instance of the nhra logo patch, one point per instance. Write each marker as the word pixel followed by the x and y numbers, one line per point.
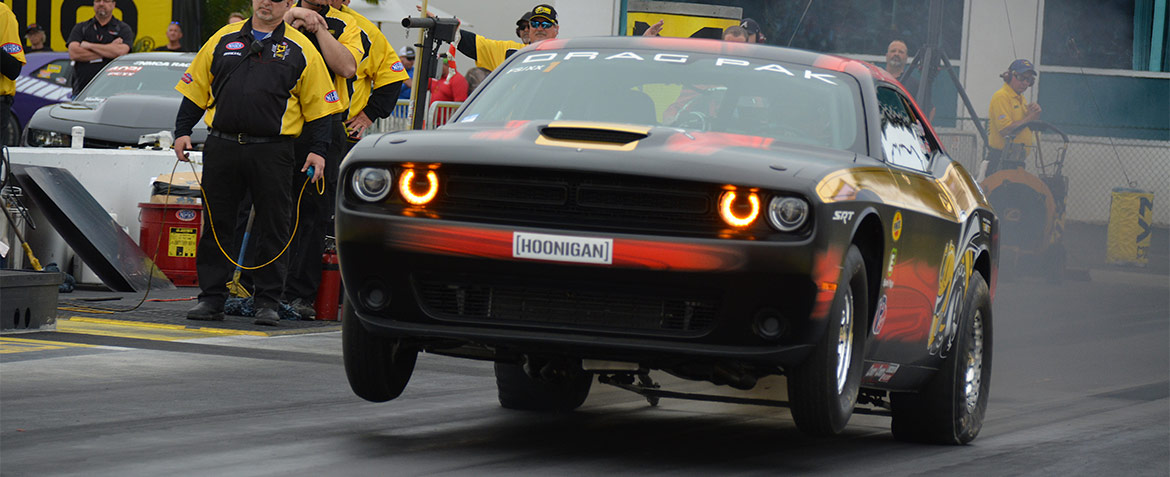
pixel 186 215
pixel 12 48
pixel 332 97
pixel 235 45
pixel 397 67
pixel 187 78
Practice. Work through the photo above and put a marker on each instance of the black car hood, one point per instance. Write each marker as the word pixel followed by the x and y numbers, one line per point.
pixel 663 152
pixel 125 110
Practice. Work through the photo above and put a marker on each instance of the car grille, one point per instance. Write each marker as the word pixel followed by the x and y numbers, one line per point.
pixel 630 204
pixel 578 307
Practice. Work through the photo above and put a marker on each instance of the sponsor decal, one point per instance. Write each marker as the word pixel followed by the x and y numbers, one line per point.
pixel 187 78
pixel 332 97
pixel 986 225
pixel 521 69
pixel 166 64
pixel 843 215
pixel 123 70
pixel 879 317
pixel 186 215
pixel 881 372
pixel 235 45
pixel 280 51
pixel 801 73
pixel 542 10
pixel 562 248
pixel 397 67
pixel 896 229
pixel 12 48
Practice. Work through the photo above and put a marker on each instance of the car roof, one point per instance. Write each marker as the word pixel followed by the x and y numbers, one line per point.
pixel 858 68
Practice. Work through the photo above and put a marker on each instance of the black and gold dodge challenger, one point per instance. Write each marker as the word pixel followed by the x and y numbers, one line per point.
pixel 608 207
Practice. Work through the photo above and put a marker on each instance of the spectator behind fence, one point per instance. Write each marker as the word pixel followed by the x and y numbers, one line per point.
pixel 452 86
pixel 96 42
pixel 406 54
pixel 35 37
pixel 475 76
pixel 255 103
pixel 174 38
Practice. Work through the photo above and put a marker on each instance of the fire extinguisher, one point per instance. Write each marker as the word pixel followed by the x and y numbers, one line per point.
pixel 329 291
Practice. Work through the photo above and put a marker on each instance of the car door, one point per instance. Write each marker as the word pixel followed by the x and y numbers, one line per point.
pixel 914 322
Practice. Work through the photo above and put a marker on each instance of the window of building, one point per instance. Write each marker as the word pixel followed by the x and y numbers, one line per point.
pixel 1112 34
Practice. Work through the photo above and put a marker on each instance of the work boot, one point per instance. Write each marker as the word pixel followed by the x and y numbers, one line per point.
pixel 267 317
pixel 304 309
pixel 205 311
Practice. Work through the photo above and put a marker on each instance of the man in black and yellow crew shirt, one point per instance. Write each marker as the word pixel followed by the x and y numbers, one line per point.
pixel 96 42
pixel 11 61
pixel 374 90
pixel 262 84
pixel 489 53
pixel 337 37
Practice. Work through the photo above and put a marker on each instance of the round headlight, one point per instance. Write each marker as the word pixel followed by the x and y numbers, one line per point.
pixel 739 211
pixel 787 214
pixel 372 184
pixel 414 192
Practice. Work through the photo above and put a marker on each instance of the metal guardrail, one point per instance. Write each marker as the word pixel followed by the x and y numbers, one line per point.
pixel 437 114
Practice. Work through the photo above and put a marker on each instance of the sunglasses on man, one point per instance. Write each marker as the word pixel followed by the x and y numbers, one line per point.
pixel 541 24
pixel 1030 79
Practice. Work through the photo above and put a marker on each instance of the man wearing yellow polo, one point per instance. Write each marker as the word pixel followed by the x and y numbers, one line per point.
pixel 380 75
pixel 489 53
pixel 1009 110
pixel 11 60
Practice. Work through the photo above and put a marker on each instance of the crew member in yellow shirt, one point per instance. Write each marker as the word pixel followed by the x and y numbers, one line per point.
pixel 1009 111
pixel 11 60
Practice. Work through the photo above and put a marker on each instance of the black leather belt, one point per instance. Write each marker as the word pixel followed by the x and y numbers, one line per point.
pixel 247 138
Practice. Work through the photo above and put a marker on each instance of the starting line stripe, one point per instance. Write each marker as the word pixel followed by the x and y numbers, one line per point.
pixel 20 345
pixel 166 332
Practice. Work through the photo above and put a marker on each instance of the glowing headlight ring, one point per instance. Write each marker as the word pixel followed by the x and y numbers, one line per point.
pixel 729 215
pixel 405 186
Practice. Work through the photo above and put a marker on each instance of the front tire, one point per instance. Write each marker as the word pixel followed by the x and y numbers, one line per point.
pixel 822 390
pixel 559 389
pixel 950 409
pixel 377 367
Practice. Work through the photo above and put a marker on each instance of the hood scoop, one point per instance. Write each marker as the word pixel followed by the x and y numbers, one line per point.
pixel 588 135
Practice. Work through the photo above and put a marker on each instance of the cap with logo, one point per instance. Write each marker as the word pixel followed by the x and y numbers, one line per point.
pixel 544 11
pixel 34 28
pixel 406 52
pixel 1021 66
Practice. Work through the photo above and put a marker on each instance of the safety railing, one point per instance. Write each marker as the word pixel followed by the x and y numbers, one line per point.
pixel 437 114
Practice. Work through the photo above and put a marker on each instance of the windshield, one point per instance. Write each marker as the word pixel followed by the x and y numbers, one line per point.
pixel 149 77
pixel 693 91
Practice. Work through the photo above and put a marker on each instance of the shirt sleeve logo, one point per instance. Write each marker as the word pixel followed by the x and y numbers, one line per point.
pixel 332 97
pixel 235 45
pixel 187 78
pixel 397 67
pixel 12 48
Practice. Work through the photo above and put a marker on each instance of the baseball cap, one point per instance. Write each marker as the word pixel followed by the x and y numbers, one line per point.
pixel 34 28
pixel 544 11
pixel 523 21
pixel 406 52
pixel 752 28
pixel 1022 66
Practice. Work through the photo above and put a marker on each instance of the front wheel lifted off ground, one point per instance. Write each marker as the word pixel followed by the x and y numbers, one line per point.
pixel 823 389
pixel 378 368
pixel 950 409
pixel 557 389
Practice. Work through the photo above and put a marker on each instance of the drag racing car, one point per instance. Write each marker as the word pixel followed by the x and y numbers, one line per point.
pixel 606 207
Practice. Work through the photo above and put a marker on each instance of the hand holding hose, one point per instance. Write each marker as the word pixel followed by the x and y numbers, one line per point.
pixel 316 162
pixel 182 144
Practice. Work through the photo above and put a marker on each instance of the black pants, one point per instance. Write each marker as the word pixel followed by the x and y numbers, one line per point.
pixel 229 170
pixel 316 219
pixel 5 117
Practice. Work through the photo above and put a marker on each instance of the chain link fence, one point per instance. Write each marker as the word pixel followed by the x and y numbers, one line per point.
pixel 1094 167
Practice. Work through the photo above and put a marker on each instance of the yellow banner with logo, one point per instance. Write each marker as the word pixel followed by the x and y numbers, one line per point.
pixel 148 19
pixel 1130 226
pixel 679 26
